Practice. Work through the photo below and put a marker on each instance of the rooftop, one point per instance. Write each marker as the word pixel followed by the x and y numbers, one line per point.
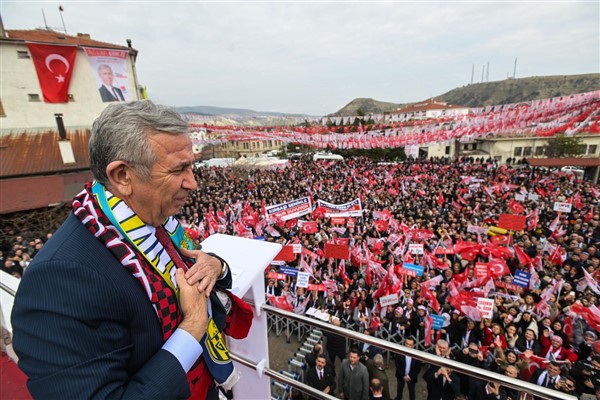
pixel 53 37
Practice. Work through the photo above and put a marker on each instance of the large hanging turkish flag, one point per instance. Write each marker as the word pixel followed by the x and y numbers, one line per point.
pixel 54 66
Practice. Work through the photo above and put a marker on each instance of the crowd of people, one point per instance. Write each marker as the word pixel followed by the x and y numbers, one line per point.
pixel 428 244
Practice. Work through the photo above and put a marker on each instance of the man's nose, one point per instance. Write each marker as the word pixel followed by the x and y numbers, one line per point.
pixel 189 180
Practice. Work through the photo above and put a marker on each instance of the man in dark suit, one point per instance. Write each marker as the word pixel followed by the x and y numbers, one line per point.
pixel 442 383
pixel 94 316
pixel 407 371
pixel 321 376
pixel 529 342
pixel 108 92
pixel 548 377
pixel 311 358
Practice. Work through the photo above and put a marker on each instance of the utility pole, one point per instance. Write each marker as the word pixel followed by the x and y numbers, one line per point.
pixel 472 73
pixel 515 70
pixel 487 74
pixel 482 72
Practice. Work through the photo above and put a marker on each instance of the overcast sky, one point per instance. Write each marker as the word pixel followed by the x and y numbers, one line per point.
pixel 315 57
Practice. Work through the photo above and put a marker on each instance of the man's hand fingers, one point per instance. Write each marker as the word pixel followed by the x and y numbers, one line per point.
pixel 206 285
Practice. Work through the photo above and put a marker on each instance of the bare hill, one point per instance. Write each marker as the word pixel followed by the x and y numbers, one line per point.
pixel 491 93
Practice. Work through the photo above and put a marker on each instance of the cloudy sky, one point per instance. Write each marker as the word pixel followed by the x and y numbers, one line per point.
pixel 314 57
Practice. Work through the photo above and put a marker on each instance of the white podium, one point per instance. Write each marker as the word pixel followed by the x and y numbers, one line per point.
pixel 248 259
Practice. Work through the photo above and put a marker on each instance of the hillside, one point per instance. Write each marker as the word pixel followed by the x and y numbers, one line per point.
pixel 491 93
pixel 366 106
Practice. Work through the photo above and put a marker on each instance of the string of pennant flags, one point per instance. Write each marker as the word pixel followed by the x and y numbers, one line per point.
pixel 578 113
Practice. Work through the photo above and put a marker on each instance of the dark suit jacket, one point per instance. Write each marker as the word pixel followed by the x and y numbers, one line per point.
pixel 521 345
pixel 108 96
pixel 415 368
pixel 84 327
pixel 312 379
pixel 436 389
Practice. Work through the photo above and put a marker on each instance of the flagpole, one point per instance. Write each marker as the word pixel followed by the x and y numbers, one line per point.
pixel 60 11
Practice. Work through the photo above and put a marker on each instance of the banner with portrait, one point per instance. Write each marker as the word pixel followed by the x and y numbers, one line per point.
pixel 110 68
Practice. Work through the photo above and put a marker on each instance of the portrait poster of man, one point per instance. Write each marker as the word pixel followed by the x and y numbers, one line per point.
pixel 109 66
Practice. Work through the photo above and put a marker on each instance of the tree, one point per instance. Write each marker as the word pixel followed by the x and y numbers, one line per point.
pixel 564 146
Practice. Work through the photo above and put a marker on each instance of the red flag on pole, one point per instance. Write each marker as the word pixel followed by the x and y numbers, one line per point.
pixel 440 199
pixel 279 302
pixel 515 207
pixel 54 67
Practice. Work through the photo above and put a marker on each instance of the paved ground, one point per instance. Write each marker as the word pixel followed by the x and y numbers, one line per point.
pixel 280 352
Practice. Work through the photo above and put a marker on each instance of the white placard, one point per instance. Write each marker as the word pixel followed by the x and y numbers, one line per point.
pixel 486 307
pixel 415 248
pixel 388 300
pixel 562 207
pixel 533 196
pixel 297 248
pixel 474 229
pixel 302 279
pixel 519 197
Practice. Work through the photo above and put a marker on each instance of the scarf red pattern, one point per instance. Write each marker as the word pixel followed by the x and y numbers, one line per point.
pixel 163 298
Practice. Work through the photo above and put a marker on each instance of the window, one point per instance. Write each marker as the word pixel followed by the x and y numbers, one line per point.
pixel 518 151
pixel 592 149
pixel 23 54
pixel 527 151
pixel 33 96
pixel 466 146
pixel 539 151
pixel 447 151
pixel 246 145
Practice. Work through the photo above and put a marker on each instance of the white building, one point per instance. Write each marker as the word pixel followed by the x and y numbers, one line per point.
pixel 22 107
pixel 427 109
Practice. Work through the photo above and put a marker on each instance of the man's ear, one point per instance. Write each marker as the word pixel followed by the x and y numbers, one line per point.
pixel 119 175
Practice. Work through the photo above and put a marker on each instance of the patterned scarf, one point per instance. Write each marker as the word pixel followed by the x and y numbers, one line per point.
pixel 123 233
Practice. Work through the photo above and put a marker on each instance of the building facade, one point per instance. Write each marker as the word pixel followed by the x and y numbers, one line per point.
pixel 22 106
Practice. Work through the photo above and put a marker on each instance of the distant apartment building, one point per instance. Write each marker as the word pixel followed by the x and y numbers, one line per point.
pixel 426 110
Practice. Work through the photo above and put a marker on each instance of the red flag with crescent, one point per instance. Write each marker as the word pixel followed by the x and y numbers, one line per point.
pixel 54 66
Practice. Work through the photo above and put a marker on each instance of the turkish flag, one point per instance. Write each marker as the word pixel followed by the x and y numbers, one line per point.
pixel 516 207
pixel 381 225
pixel 286 254
pixel 54 67
pixel 577 201
pixel 319 212
pixel 309 227
pixel 535 362
pixel 279 302
pixel 430 297
pixel 498 268
pixel 440 199
pixel 501 239
pixel 523 258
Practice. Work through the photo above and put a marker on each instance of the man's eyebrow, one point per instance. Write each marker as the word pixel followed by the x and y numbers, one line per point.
pixel 182 164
